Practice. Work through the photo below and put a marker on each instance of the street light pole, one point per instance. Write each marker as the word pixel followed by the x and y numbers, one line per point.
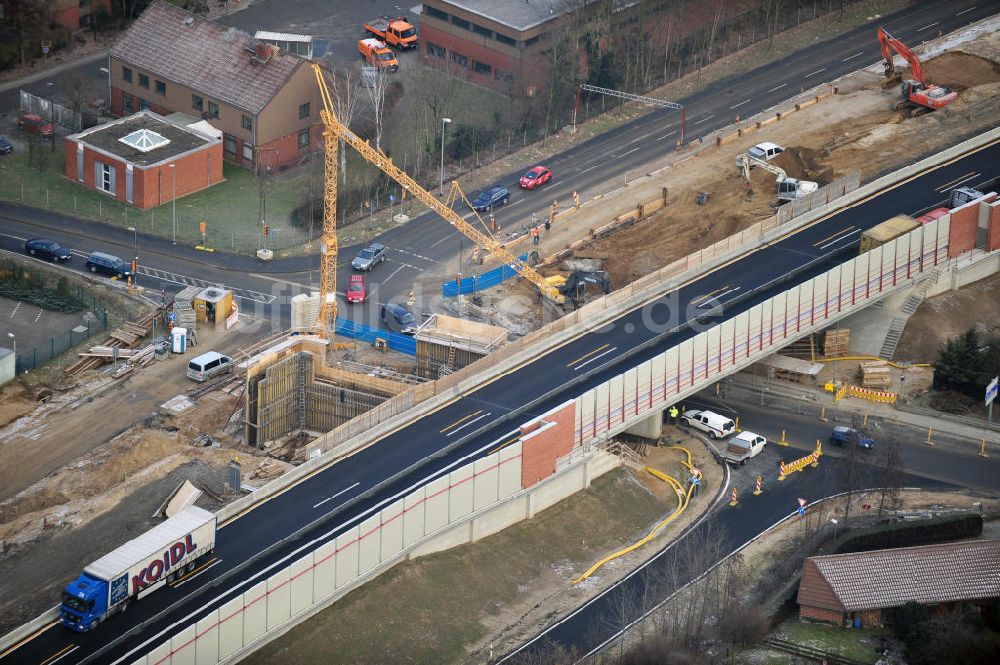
pixel 135 254
pixel 52 116
pixel 173 199
pixel 444 121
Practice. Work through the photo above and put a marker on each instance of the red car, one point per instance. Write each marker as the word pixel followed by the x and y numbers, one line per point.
pixel 357 289
pixel 35 124
pixel 535 177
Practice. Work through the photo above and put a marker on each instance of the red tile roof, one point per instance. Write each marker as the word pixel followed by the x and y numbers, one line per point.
pixel 207 57
pixel 927 574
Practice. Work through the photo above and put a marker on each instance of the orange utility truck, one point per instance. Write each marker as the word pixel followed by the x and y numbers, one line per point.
pixel 396 32
pixel 377 54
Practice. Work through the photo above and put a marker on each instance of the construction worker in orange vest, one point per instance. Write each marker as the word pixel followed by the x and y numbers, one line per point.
pixel 534 235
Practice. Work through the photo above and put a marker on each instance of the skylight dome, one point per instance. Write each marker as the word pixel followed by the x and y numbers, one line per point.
pixel 144 140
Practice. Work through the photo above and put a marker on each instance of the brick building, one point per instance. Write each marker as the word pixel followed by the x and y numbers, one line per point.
pixel 76 14
pixel 145 159
pixel 265 101
pixel 863 585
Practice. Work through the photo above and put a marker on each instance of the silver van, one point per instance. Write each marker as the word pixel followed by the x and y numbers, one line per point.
pixel 207 365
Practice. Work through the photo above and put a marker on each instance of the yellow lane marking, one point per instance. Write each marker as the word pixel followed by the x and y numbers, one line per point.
pixel 952 182
pixel 15 647
pixel 59 654
pixel 461 420
pixel 834 235
pixel 587 355
pixel 504 445
pixel 708 295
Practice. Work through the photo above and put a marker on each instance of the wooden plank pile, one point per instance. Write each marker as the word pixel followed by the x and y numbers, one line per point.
pixel 124 338
pixel 835 342
pixel 876 374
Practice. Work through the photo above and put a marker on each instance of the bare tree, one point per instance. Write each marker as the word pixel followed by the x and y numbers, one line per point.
pixel 851 471
pixel 345 105
pixel 376 83
pixel 891 476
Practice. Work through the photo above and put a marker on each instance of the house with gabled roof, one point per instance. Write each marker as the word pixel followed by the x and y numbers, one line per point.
pixel 264 100
pixel 842 588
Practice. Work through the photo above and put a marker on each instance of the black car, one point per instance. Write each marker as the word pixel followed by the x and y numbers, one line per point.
pixel 47 249
pixel 400 316
pixel 6 147
pixel 99 262
pixel 490 197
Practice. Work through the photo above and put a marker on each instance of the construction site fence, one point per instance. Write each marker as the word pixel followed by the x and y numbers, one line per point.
pixel 362 333
pixel 49 110
pixel 35 355
pixel 475 283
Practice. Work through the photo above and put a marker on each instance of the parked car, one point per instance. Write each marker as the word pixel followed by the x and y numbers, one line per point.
pixel 716 426
pixel 207 365
pixel 357 289
pixel 108 264
pixel 842 435
pixel 6 147
pixel 400 316
pixel 763 151
pixel 742 447
pixel 536 177
pixel 490 197
pixel 47 249
pixel 369 257
pixel 36 124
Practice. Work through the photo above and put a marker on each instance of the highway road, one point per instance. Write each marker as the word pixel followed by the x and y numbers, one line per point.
pixel 318 508
pixel 428 242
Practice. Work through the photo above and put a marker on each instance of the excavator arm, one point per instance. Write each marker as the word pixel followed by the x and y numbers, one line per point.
pixel 889 44
pixel 382 161
pixel 748 161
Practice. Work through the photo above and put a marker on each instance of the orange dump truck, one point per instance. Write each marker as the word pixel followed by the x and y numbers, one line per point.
pixel 396 32
pixel 377 54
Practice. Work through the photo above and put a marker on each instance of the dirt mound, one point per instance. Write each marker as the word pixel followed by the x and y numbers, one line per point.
pixel 960 70
pixel 805 164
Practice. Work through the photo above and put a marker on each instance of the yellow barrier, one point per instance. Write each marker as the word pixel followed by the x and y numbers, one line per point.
pixel 811 459
pixel 872 395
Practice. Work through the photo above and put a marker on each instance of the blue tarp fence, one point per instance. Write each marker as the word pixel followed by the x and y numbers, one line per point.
pixel 479 282
pixel 362 333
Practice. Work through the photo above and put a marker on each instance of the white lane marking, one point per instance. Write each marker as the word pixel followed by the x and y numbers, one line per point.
pixel 191 577
pixel 966 11
pixel 705 118
pixel 627 153
pixel 666 135
pixel 396 271
pixel 718 298
pixel 468 423
pixel 438 242
pixel 331 498
pixel 599 355
pixel 590 168
pixel 959 183
pixel 311 543
pixel 821 69
pixel 930 25
pixel 726 293
pixel 520 200
pixel 843 237
pixel 745 101
pixel 851 57
pixel 777 87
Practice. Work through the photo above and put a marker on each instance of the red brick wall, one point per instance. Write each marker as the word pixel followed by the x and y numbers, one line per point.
pixel 963 230
pixel 993 232
pixel 68 17
pixel 820 614
pixel 540 451
pixel 149 189
pixel 284 152
pixel 473 51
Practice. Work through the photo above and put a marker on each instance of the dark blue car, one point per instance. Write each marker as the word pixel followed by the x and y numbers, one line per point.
pixel 845 435
pixel 47 249
pixel 6 147
pixel 490 198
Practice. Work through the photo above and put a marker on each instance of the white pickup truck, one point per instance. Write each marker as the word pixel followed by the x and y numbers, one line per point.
pixel 742 447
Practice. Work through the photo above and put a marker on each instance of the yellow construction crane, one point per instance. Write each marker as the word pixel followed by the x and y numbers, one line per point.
pixel 328 248
pixel 335 130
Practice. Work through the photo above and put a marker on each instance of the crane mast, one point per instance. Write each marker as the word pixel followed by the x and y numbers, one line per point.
pixel 335 130
pixel 328 248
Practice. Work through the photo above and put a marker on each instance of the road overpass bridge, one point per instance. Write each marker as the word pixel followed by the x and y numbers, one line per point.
pixel 488 438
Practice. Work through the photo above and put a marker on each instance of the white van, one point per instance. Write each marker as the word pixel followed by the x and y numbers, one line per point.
pixel 207 365
pixel 713 424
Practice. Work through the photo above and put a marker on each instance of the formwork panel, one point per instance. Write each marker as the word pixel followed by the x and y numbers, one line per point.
pixel 301 583
pixel 279 598
pixel 230 627
pixel 182 647
pixel 486 474
pixel 392 529
pixel 460 499
pixel 347 557
pixel 325 572
pixel 616 400
pixel 509 481
pixel 255 612
pixel 207 645
pixel 369 543
pixel 629 392
pixel 437 504
pixel 601 408
pixel 413 517
pixel 643 385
